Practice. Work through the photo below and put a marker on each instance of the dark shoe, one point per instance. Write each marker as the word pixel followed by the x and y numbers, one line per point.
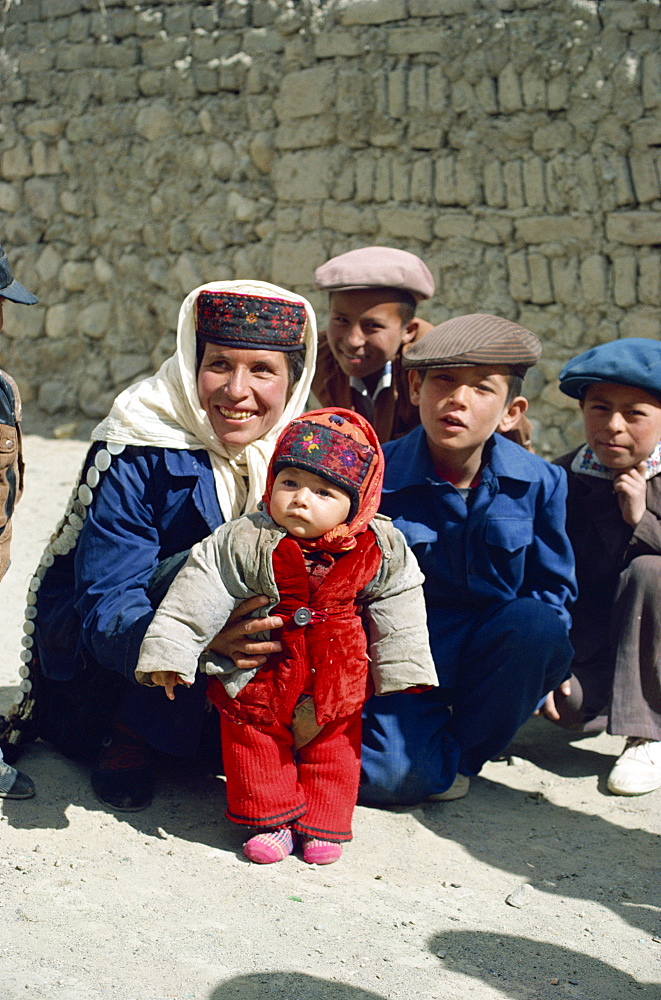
pixel 14 784
pixel 124 778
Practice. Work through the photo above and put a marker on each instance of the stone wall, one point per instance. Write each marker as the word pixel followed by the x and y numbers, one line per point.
pixel 145 147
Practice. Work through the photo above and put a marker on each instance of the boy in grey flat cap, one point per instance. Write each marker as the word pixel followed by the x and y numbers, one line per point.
pixel 13 784
pixel 373 294
pixel 485 519
pixel 614 523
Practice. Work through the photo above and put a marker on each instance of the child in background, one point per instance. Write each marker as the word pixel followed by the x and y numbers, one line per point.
pixel 291 730
pixel 614 523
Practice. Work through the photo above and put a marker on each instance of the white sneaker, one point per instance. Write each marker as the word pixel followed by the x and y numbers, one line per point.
pixel 638 769
pixel 457 790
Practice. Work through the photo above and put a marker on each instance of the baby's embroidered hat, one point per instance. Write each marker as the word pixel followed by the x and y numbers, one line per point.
pixel 633 361
pixel 339 446
pixel 476 339
pixel 256 322
pixel 376 267
pixel 10 288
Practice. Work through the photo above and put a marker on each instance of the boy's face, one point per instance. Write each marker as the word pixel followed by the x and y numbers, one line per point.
pixel 622 423
pixel 365 330
pixel 306 505
pixel 460 408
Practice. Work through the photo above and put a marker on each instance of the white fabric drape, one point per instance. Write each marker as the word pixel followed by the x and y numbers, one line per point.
pixel 164 410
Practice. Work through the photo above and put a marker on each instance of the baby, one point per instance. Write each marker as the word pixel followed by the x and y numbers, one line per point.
pixel 291 729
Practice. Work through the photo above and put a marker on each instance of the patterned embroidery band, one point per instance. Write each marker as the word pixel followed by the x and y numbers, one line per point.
pixel 252 321
pixel 588 464
pixel 326 453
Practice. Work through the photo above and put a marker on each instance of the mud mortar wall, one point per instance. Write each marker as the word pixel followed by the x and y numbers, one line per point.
pixel 146 147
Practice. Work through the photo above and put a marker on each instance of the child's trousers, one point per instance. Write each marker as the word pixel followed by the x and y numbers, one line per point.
pixel 312 789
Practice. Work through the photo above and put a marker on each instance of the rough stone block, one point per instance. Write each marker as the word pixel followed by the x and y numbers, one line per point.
pixel 409 41
pixel 557 92
pixel 16 163
pixel 519 278
pixel 29 10
pixel 371 11
pixel 72 57
pixel 396 84
pixel 652 80
pixel 308 92
pixel 117 56
pixel 513 178
pixel 509 90
pixel 365 179
pixel 406 223
pixel 294 260
pixel 550 138
pixel 421 181
pixel 487 95
pixel 641 323
pixel 45 159
pixel 417 88
pixel 462 97
pixel 307 133
pixel 401 180
pixel 625 273
pixel 330 44
pixel 438 89
pixel 541 290
pixel 155 120
pixel 94 319
pixel 494 187
pixel 533 182
pixel 55 396
pixel 40 197
pixel 36 61
pixel 9 198
pixel 262 40
pixel 445 190
pixel 554 228
pixel 346 218
pixel 450 224
pixel 533 86
pixel 262 151
pixel 649 281
pixel 634 228
pixel 382 180
pixel 76 276
pixel 467 184
pixel 60 320
pixel 646 132
pixel 491 227
pixel 644 177
pixel 594 279
pixel 564 275
pixel 127 367
pixel 305 175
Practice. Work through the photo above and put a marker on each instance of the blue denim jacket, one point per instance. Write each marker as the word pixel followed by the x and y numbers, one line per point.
pixel 509 541
pixel 150 504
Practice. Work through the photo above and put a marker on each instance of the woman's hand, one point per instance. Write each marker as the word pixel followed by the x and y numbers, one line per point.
pixel 234 639
pixel 630 488
pixel 168 679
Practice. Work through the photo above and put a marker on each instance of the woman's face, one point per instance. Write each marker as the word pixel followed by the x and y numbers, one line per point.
pixel 243 392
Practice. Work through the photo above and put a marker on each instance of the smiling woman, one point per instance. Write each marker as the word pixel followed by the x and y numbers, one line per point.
pixel 179 454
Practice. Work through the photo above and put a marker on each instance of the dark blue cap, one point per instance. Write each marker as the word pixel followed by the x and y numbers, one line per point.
pixel 10 288
pixel 633 361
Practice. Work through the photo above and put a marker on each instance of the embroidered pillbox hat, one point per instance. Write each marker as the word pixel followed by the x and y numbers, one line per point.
pixel 633 361
pixel 341 447
pixel 257 322
pixel 476 339
pixel 376 267
pixel 10 288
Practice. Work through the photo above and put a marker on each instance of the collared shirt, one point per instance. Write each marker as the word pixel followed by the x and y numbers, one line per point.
pixel 366 401
pixel 508 542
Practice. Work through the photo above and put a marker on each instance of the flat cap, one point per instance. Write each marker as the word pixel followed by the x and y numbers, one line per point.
pixel 633 361
pixel 376 267
pixel 10 288
pixel 476 339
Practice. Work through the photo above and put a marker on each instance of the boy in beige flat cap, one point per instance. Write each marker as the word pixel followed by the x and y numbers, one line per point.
pixel 485 519
pixel 373 294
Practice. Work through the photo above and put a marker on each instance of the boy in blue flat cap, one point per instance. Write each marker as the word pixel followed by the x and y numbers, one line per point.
pixel 614 523
pixel 485 519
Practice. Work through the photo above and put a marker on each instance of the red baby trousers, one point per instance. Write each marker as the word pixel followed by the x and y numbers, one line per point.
pixel 312 789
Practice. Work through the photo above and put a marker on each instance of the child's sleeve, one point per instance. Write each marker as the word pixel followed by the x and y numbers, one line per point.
pixel 191 614
pixel 397 616
pixel 550 569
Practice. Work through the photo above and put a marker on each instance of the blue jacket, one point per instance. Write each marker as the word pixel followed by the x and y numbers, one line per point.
pixel 508 542
pixel 150 504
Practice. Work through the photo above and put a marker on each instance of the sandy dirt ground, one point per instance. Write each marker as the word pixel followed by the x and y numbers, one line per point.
pixel 161 904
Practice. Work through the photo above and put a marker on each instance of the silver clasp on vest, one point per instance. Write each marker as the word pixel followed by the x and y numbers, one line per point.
pixel 304 616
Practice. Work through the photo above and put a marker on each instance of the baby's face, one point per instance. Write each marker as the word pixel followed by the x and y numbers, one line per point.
pixel 306 505
pixel 622 423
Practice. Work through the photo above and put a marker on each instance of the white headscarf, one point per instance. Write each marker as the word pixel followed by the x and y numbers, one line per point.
pixel 165 411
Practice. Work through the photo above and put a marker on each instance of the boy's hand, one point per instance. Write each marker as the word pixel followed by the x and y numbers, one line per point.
pixel 168 679
pixel 548 709
pixel 233 640
pixel 630 488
